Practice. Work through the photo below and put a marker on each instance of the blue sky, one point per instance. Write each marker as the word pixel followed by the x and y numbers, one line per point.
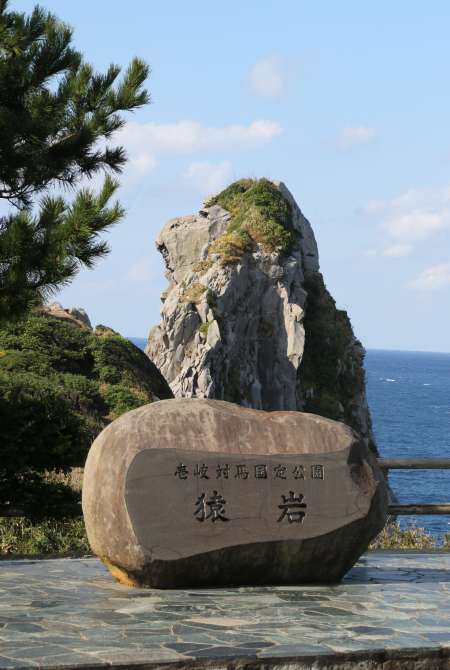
pixel 348 103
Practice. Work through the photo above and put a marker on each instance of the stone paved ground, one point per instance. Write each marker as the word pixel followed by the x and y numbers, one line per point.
pixel 70 613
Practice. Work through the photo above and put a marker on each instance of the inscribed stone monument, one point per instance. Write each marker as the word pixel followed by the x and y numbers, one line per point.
pixel 206 493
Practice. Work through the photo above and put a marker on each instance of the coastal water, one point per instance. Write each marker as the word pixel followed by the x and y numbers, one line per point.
pixel 409 397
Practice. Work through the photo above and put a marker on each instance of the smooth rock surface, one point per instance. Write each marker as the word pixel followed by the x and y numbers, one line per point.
pixel 200 492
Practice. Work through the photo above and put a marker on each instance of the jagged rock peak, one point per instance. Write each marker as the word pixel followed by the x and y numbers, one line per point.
pixel 247 317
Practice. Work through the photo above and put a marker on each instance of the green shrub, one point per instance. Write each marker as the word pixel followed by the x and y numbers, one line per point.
pixel 231 197
pixel 202 266
pixel 232 386
pixel 65 345
pixel 60 385
pixel 259 213
pixel 193 293
pixel 231 246
pixel 410 537
pixel 331 376
pixel 40 429
pixel 20 536
pixel 121 399
pixel 266 231
pixel 203 328
pixel 25 361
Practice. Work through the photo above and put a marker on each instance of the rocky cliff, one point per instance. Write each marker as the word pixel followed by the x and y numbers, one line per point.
pixel 247 317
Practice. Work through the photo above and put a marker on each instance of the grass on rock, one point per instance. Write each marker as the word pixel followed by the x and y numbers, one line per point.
pixel 231 246
pixel 194 293
pixel 259 214
pixel 203 328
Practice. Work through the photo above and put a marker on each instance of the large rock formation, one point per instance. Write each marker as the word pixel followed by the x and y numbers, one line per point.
pixel 247 317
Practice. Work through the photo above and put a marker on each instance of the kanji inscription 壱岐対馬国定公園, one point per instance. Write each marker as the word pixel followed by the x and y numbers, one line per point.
pixel 260 471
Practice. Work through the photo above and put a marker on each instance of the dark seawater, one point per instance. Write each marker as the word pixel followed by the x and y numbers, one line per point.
pixel 409 397
pixel 139 342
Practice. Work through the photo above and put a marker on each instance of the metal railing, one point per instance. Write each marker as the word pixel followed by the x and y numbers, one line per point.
pixel 397 509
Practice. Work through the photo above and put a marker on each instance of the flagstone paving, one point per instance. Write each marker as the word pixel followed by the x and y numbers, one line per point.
pixel 70 613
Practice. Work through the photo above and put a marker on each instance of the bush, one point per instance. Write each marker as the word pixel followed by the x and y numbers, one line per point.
pixel 331 372
pixel 53 536
pixel 231 246
pixel 121 399
pixel 194 293
pixel 64 345
pixel 203 328
pixel 202 266
pixel 119 361
pixel 266 231
pixel 259 214
pixel 411 537
pixel 40 428
pixel 60 385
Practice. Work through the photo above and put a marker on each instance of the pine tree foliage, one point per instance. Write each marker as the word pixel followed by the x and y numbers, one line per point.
pixel 57 120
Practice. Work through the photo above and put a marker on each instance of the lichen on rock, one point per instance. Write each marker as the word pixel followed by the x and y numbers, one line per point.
pixel 265 333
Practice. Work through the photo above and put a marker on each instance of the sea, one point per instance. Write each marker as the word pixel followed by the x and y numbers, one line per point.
pixel 409 399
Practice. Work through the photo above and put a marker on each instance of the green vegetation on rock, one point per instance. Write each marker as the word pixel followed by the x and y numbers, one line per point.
pixel 202 266
pixel 232 386
pixel 60 385
pixel 231 246
pixel 193 294
pixel 203 328
pixel 331 372
pixel 259 214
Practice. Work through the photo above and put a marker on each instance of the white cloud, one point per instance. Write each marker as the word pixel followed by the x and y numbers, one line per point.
pixel 190 136
pixel 142 162
pixel 209 178
pixel 370 253
pixel 398 250
pixel 268 78
pixel 433 278
pixel 147 142
pixel 138 165
pixel 373 207
pixel 355 136
pixel 140 271
pixel 417 224
pixel 410 218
